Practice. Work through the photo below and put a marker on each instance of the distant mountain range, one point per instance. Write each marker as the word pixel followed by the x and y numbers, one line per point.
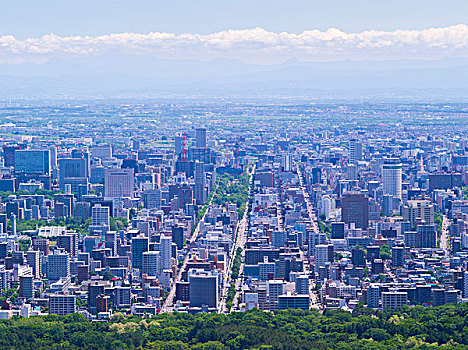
pixel 148 77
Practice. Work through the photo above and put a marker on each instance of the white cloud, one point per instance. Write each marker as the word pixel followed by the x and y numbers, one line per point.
pixel 252 45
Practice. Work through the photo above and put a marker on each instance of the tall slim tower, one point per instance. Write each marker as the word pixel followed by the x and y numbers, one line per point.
pixel 200 138
pixel 391 177
pixel 355 151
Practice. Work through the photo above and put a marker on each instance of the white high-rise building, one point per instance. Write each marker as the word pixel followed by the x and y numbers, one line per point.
pixel 166 252
pixel 355 151
pixel 321 255
pixel 151 263
pixel 275 289
pixel 100 215
pixel 391 177
pixel 119 183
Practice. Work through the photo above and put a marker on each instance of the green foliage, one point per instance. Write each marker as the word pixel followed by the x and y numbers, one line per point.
pixel 385 252
pixel 233 189
pixel 46 193
pixel 418 327
pixel 80 226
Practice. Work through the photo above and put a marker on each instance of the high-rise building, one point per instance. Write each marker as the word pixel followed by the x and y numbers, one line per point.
pixel 398 256
pixel 33 258
pixel 200 193
pixel 337 230
pixel 119 183
pixel 393 300
pixel 200 137
pixel 293 301
pixel 101 151
pixel 373 296
pixel 275 289
pixel 100 215
pixel 9 155
pixel 321 255
pixel 152 198
pixel 71 168
pixel 140 245
pixel 419 212
pixel 355 209
pixel 203 288
pixel 151 263
pixel 355 151
pixel 392 177
pixel 26 287
pixel 62 304
pixel 166 252
pixel 69 242
pixel 58 265
pixel 35 162
pixel 427 236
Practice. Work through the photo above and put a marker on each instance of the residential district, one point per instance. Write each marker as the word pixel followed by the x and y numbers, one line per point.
pixel 204 213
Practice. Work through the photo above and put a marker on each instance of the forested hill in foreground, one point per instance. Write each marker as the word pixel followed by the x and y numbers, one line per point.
pixel 422 328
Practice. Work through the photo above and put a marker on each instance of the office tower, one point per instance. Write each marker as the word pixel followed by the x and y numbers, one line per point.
pixel 287 162
pixel 355 209
pixel 119 183
pixel 393 300
pixel 427 236
pixel 33 258
pixel 275 289
pixel 102 151
pixel 166 252
pixel 83 273
pixel 122 297
pixel 387 205
pixel 152 199
pixel 321 255
pixel 9 155
pixel 35 162
pixel 71 168
pixel 62 304
pixel 42 245
pixel 26 288
pixel 291 301
pixel 140 245
pixel 81 210
pixel 102 303
pixel 3 223
pixel 352 172
pixel 392 177
pixel 178 236
pixel 69 242
pixel 337 230
pixel 100 215
pixel 203 288
pixel 302 284
pixel 266 269
pixel 445 181
pixel 355 151
pixel 419 212
pixel 13 224
pixel 5 278
pixel 3 250
pixel 373 296
pixel 151 263
pixel 398 256
pixel 200 138
pixel 200 193
pixel 58 265
pixel 177 144
pixel 95 289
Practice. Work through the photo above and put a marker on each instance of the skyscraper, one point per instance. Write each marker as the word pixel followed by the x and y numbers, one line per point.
pixel 355 151
pixel 151 263
pixel 140 245
pixel 100 215
pixel 391 177
pixel 200 183
pixel 71 168
pixel 32 162
pixel 200 137
pixel 166 252
pixel 355 209
pixel 119 183
pixel 203 288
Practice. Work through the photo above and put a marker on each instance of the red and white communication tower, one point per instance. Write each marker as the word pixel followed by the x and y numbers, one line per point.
pixel 184 148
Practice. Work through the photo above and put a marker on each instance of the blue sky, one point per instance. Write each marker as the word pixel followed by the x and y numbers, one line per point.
pixel 34 18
